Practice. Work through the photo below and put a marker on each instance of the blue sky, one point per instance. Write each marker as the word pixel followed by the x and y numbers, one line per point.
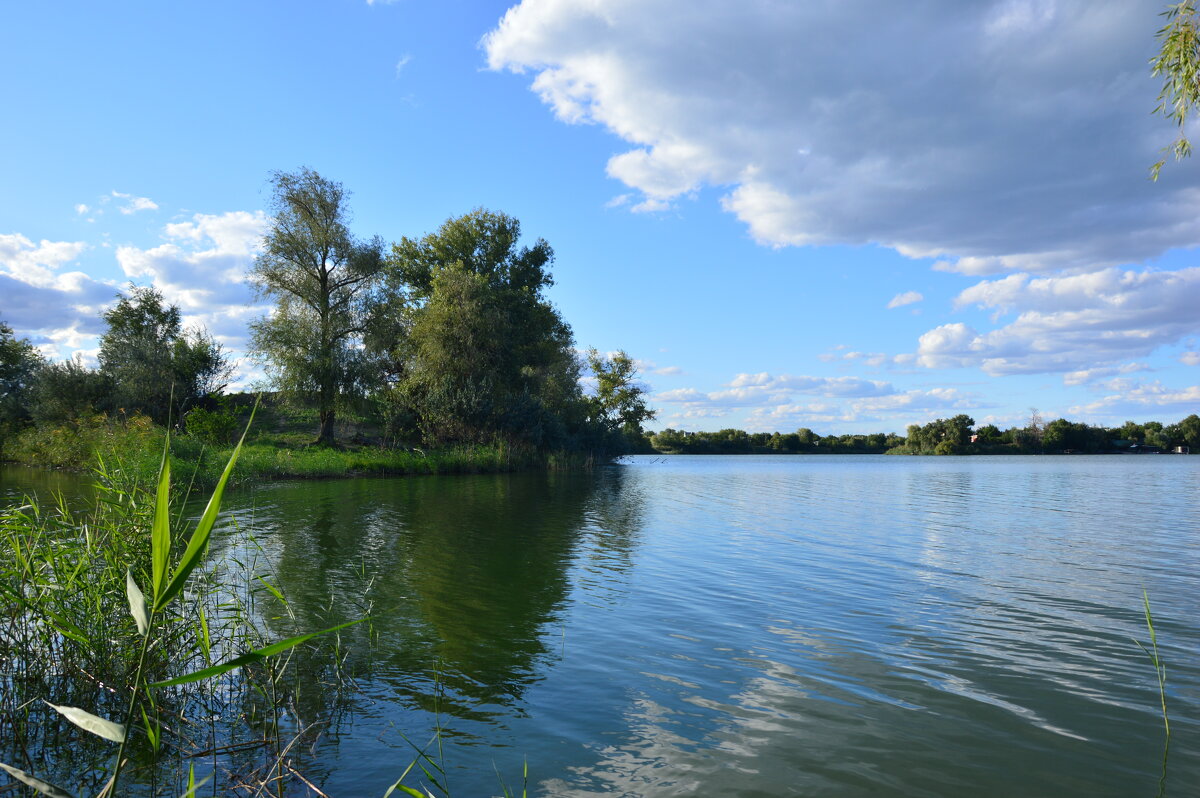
pixel 849 216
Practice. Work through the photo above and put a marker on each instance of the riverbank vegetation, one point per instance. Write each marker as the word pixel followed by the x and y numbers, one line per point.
pixel 127 664
pixel 440 354
pixel 952 436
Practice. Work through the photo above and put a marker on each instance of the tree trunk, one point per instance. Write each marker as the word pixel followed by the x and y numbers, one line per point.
pixel 325 436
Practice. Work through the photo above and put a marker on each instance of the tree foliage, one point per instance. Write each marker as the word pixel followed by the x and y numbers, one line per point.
pixel 1178 64
pixel 149 358
pixel 19 364
pixel 321 278
pixel 479 353
pixel 68 391
pixel 619 403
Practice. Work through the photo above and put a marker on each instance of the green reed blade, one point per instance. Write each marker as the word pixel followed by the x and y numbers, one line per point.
pixel 137 603
pixel 249 657
pixel 91 723
pixel 44 787
pixel 160 534
pixel 274 590
pixel 199 540
pixel 65 627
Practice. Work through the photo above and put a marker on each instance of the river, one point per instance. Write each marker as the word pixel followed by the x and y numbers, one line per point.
pixel 749 626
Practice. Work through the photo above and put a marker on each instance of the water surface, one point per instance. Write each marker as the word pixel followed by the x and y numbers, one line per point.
pixel 750 626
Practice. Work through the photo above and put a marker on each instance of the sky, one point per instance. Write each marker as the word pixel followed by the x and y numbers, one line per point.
pixel 847 215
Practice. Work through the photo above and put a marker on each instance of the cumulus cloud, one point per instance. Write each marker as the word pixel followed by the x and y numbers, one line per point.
pixel 1069 323
pixel 764 393
pixel 907 298
pixel 982 150
pixel 1131 398
pixel 134 204
pixel 202 268
pixel 1087 376
pixel 37 298
pixel 894 410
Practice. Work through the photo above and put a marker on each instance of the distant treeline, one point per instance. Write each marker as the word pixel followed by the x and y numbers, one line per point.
pixel 958 435
pixel 802 441
pixel 945 436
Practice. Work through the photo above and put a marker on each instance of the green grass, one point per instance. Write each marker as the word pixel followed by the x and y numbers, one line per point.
pixel 279 447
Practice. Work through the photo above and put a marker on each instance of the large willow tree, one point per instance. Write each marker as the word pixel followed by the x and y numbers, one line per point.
pixel 320 277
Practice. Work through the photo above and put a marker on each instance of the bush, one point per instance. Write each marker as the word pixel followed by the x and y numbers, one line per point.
pixel 214 427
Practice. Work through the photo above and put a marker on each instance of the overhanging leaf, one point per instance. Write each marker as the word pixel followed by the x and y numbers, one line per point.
pixel 44 787
pixel 246 659
pixel 91 723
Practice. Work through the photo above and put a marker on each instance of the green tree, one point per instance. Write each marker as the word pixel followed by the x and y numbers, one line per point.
pixel 321 278
pixel 149 358
pixel 67 391
pixel 620 401
pixel 481 353
pixel 988 433
pixel 1178 64
pixel 19 365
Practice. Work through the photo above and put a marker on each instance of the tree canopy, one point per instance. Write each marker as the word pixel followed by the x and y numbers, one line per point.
pixel 482 353
pixel 1178 64
pixel 19 364
pixel 150 358
pixel 320 277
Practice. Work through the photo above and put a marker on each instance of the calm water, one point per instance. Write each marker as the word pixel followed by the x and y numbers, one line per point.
pixel 751 626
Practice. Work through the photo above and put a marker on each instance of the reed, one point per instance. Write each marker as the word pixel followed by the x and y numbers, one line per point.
pixel 1160 672
pixel 112 626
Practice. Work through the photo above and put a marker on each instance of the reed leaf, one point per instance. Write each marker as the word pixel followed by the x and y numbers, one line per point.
pixel 199 540
pixel 160 535
pixel 44 787
pixel 249 657
pixel 91 723
pixel 137 603
pixel 65 627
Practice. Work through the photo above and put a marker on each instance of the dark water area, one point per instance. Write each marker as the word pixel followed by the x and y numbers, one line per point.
pixel 747 626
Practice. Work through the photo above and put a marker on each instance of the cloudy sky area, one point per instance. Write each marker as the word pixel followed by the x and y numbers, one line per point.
pixel 850 216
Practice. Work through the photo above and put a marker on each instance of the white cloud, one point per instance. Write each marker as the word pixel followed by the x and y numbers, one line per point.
pixel 1190 358
pixel 81 209
pixel 893 411
pixel 907 298
pixel 55 308
pixel 764 390
pixel 651 205
pixel 982 149
pixel 1086 376
pixel 202 268
pixel 134 204
pixel 402 62
pixel 1133 398
pixel 36 264
pixel 1069 323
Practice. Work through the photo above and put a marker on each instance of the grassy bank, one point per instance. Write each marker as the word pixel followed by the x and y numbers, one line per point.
pixel 278 447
